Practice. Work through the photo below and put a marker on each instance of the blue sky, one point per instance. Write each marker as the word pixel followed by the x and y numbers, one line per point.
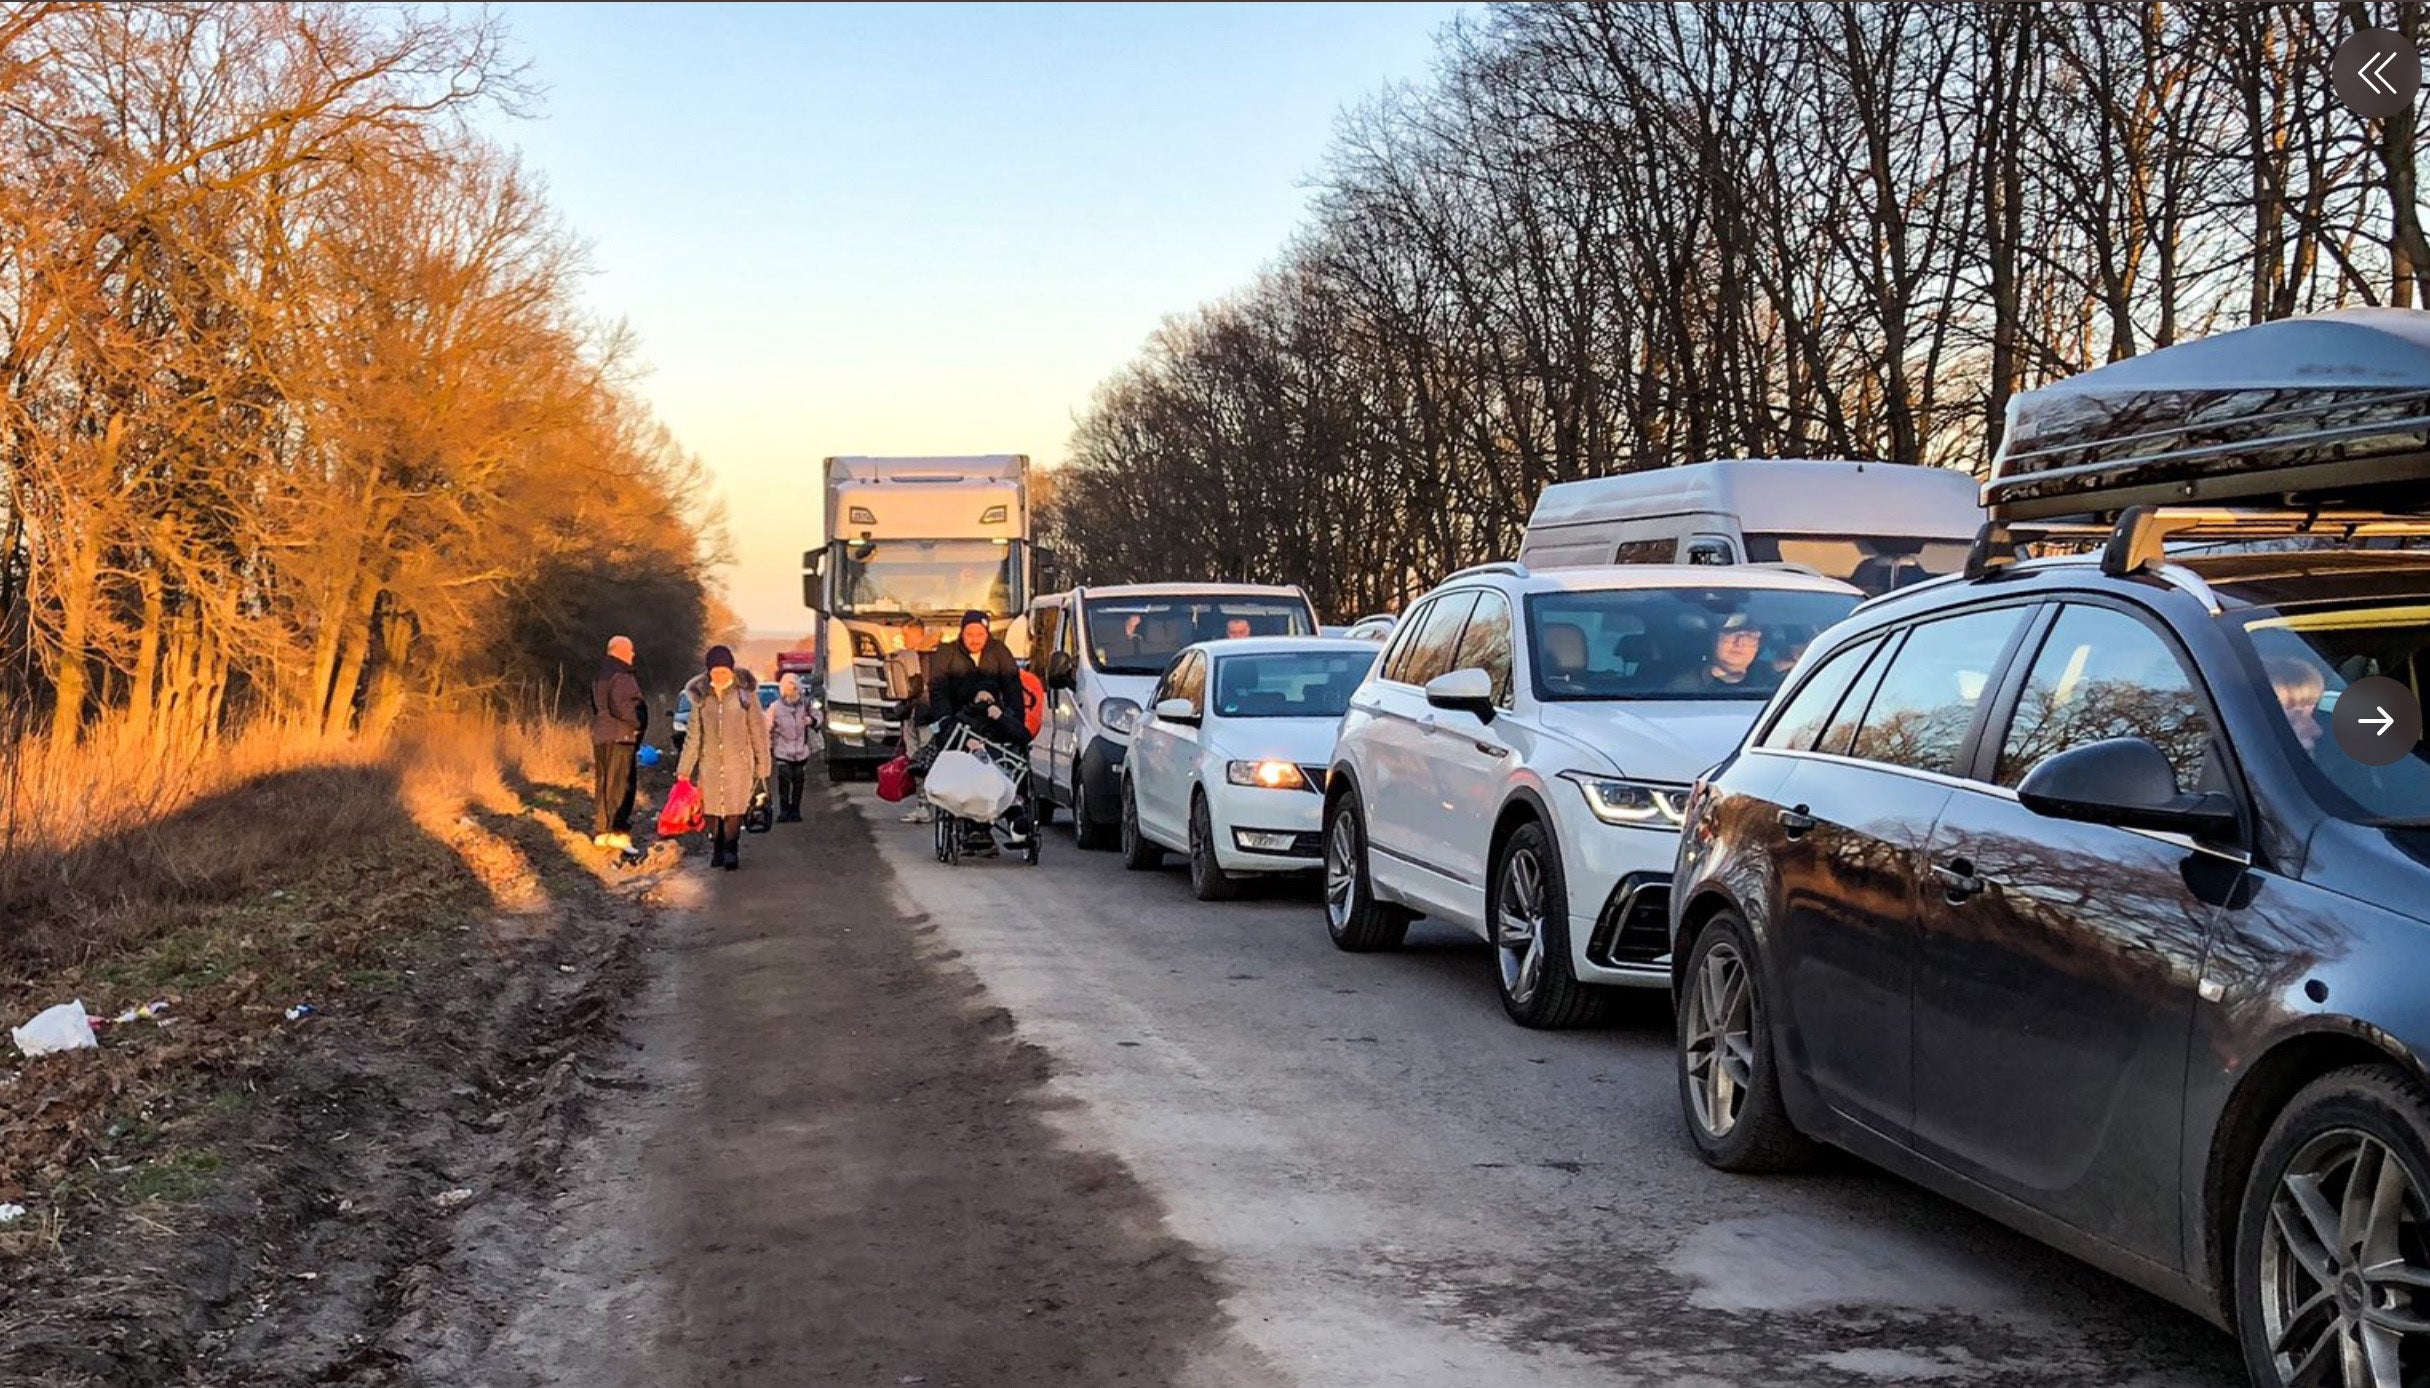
pixel 922 228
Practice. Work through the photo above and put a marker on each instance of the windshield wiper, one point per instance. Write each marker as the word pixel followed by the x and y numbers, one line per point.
pixel 2399 822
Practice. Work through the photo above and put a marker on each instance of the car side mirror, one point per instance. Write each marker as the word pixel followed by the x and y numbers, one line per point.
pixel 1463 691
pixel 814 580
pixel 2126 782
pixel 1060 671
pixel 1177 711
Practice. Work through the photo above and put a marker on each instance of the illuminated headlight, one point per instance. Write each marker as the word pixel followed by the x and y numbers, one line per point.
pixel 1266 775
pixel 1118 716
pixel 1641 804
pixel 1264 840
pixel 845 725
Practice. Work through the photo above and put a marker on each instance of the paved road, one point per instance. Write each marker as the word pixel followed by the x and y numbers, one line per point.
pixel 1396 1186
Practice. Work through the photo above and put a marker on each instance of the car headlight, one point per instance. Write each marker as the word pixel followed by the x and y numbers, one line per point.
pixel 1640 804
pixel 1266 775
pixel 1118 716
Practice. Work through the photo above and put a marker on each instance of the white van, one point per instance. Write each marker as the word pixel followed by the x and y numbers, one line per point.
pixel 1877 525
pixel 1100 651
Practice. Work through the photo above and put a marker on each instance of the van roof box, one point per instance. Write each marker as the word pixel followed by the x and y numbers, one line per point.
pixel 2331 410
pixel 2305 426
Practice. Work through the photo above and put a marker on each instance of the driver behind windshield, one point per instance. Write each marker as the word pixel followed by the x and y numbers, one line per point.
pixel 2299 686
pixel 1736 643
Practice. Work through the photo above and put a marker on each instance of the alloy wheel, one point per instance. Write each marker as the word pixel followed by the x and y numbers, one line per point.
pixel 1519 924
pixel 1720 1049
pixel 2345 1267
pixel 1341 869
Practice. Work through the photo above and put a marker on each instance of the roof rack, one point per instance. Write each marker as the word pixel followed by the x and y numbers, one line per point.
pixel 2138 539
pixel 1501 566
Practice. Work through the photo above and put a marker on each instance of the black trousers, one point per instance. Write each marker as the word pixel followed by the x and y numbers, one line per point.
pixel 789 776
pixel 612 786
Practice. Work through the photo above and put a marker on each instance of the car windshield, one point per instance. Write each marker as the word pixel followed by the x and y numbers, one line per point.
pixel 2307 657
pixel 901 578
pixel 1140 636
pixel 1289 684
pixel 1875 563
pixel 1673 643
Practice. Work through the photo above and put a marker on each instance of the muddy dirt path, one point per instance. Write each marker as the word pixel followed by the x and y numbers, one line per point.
pixel 834 1164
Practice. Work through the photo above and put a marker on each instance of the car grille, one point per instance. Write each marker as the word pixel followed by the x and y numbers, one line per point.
pixel 1635 927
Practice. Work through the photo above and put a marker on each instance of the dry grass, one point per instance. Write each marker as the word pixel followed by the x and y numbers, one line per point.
pixel 104 845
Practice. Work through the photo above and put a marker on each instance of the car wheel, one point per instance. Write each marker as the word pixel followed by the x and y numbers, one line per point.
pixel 1208 880
pixel 1529 908
pixel 1729 1087
pixel 2333 1239
pixel 1086 831
pixel 1139 852
pixel 1357 921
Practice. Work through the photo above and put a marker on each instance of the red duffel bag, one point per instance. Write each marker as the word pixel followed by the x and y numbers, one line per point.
pixel 894 780
pixel 682 813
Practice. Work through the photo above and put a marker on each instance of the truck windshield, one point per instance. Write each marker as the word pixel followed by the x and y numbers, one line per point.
pixel 1140 636
pixel 900 578
pixel 1875 563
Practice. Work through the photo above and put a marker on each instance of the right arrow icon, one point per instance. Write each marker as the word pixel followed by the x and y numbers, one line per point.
pixel 2383 723
pixel 2378 721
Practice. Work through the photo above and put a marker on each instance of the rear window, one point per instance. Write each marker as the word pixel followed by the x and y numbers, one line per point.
pixel 1673 643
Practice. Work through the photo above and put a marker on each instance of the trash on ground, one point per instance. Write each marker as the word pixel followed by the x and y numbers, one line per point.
pixel 300 1011
pixel 61 1028
pixel 449 1199
pixel 10 1214
pixel 149 1012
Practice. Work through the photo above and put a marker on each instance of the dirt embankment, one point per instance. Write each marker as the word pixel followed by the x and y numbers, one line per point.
pixel 245 1197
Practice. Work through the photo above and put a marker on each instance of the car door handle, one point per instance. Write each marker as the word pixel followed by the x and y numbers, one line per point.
pixel 1958 879
pixel 1796 823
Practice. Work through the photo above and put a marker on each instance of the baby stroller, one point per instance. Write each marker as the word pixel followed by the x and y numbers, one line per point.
pixel 1015 830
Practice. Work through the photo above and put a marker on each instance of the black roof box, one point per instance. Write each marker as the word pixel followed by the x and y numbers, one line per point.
pixel 2327 410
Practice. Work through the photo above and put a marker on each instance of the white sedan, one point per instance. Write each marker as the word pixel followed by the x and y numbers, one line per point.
pixel 1227 765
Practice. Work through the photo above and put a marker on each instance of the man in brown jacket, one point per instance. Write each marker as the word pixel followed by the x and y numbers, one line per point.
pixel 619 716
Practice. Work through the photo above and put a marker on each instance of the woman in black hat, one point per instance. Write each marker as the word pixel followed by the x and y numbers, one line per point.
pixel 726 752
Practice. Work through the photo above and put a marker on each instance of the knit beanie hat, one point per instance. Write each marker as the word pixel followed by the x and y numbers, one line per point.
pixel 973 617
pixel 719 655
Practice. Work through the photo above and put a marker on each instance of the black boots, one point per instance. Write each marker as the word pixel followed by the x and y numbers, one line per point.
pixel 723 855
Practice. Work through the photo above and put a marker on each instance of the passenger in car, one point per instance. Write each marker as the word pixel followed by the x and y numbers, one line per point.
pixel 1564 652
pixel 1736 643
pixel 2299 686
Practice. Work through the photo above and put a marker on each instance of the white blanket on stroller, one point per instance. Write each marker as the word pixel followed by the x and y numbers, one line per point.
pixel 967 786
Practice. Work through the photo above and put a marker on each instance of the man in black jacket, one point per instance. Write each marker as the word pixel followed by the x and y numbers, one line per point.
pixel 978 679
pixel 619 716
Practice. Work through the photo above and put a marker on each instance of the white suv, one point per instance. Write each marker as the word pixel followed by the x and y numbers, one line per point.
pixel 1523 751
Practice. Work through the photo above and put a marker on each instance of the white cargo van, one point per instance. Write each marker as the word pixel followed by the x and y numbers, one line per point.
pixel 1877 525
pixel 1101 651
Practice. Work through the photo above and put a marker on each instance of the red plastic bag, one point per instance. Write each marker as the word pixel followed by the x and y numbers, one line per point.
pixel 894 780
pixel 1034 711
pixel 682 814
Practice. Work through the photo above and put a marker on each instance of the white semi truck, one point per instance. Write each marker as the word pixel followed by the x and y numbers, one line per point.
pixel 931 538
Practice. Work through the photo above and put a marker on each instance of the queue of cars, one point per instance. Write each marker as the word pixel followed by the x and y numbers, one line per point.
pixel 2085 888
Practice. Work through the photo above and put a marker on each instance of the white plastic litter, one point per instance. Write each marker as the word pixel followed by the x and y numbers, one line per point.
pixel 964 785
pixel 449 1199
pixel 10 1214
pixel 61 1028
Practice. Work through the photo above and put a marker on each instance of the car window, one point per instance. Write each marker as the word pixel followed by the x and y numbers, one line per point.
pixel 1801 724
pixel 1045 629
pixel 1485 644
pixel 2103 674
pixel 1919 716
pixel 1289 684
pixel 1670 642
pixel 1662 551
pixel 1438 638
pixel 1191 680
pixel 1404 640
pixel 1707 549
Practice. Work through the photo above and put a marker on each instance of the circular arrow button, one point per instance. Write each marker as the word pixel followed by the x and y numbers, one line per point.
pixel 2378 721
pixel 2376 73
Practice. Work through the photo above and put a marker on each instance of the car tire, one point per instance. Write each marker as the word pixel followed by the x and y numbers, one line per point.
pixel 1746 1126
pixel 1139 852
pixel 1356 921
pixel 1086 831
pixel 1540 988
pixel 2350 1152
pixel 1208 880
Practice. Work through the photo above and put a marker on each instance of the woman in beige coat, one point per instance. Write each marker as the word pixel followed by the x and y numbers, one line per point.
pixel 726 751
